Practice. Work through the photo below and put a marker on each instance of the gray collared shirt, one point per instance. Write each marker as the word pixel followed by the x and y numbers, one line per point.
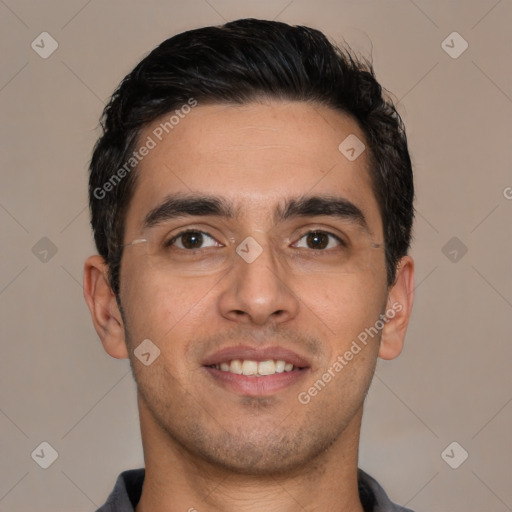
pixel 128 489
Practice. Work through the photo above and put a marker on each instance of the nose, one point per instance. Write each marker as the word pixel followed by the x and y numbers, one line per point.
pixel 258 291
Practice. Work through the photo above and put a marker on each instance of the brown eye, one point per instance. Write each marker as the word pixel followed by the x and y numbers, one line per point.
pixel 319 240
pixel 191 239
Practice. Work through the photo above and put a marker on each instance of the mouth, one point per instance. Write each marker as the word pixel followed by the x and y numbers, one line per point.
pixel 256 371
pixel 257 368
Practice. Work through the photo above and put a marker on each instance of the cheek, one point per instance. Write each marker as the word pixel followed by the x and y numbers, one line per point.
pixel 150 309
pixel 345 305
pixel 164 309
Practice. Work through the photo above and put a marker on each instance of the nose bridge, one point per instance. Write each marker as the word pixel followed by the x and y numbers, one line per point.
pixel 258 255
pixel 258 286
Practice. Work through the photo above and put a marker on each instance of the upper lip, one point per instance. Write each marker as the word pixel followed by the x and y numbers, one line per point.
pixel 256 354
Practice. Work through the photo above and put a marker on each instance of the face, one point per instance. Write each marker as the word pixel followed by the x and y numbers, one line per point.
pixel 260 278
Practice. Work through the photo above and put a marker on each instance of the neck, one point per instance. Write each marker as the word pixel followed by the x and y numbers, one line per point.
pixel 178 481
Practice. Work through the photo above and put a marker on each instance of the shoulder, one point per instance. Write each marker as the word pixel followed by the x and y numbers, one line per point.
pixel 126 493
pixel 380 501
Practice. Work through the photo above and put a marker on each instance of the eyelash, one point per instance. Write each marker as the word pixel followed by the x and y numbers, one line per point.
pixel 171 241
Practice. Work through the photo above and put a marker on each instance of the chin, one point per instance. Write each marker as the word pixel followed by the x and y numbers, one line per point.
pixel 261 454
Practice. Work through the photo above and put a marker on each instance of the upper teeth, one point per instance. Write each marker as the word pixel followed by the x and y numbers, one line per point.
pixel 249 367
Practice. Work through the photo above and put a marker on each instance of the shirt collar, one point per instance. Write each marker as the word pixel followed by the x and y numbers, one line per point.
pixel 128 490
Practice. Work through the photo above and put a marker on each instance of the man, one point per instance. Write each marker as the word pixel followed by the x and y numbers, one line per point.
pixel 252 204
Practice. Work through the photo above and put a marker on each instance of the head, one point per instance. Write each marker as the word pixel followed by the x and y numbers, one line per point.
pixel 250 116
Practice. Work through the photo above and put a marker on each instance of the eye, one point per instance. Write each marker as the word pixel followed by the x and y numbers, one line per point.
pixel 191 239
pixel 319 240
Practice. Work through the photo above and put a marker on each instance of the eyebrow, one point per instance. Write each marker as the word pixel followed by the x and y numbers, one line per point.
pixel 180 205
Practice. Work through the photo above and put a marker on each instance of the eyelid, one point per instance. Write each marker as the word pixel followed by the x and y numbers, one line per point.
pixel 171 240
pixel 325 232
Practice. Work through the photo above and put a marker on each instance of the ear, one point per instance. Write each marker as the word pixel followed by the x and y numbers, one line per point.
pixel 103 306
pixel 398 310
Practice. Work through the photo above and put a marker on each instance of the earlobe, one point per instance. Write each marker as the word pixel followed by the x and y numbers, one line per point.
pixel 103 306
pixel 398 310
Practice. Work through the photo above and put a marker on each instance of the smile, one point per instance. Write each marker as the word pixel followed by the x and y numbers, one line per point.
pixel 255 368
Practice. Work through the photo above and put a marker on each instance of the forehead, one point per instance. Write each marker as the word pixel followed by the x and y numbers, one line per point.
pixel 255 156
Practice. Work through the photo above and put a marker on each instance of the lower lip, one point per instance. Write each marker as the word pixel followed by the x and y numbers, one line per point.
pixel 256 386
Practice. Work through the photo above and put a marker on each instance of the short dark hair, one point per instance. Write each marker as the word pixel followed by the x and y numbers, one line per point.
pixel 240 62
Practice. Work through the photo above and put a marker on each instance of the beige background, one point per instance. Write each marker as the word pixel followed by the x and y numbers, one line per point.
pixel 452 381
